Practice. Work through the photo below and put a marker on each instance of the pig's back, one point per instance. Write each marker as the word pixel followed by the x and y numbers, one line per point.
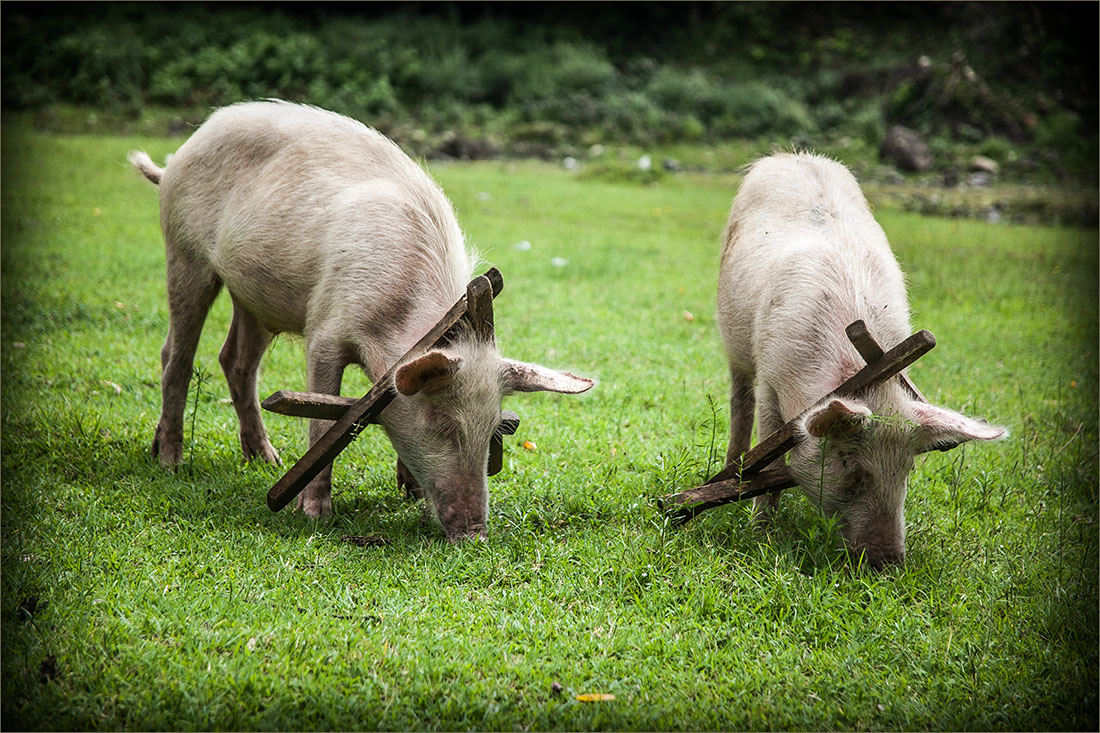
pixel 795 196
pixel 284 198
pixel 802 258
pixel 274 154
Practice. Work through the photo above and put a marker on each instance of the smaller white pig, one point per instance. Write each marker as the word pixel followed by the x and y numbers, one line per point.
pixel 319 225
pixel 802 258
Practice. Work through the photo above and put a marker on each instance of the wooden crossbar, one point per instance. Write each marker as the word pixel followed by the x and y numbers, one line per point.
pixel 332 407
pixel 365 411
pixel 745 476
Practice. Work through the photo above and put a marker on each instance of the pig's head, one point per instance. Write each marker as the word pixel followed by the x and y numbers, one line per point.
pixel 854 463
pixel 444 415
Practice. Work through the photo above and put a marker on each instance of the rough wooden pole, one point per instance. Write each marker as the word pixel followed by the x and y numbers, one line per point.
pixel 782 440
pixel 686 504
pixel 332 407
pixel 869 349
pixel 479 308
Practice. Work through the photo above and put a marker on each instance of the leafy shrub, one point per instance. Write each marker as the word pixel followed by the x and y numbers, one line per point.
pixel 1062 135
pixel 103 68
pixel 758 108
pixel 866 122
pixel 563 68
pixel 637 74
pixel 631 115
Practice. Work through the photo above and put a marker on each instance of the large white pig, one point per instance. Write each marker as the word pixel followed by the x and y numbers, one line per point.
pixel 319 225
pixel 802 258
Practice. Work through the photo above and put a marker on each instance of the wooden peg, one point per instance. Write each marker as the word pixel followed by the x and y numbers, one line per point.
pixel 479 308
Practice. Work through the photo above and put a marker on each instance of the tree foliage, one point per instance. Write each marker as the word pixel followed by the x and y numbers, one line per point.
pixel 639 72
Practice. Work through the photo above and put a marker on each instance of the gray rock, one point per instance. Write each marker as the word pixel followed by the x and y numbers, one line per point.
pixel 979 179
pixel 984 165
pixel 906 149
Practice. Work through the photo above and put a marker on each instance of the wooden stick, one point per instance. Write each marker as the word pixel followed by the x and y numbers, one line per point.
pixel 479 308
pixel 308 404
pixel 365 410
pixel 782 440
pixel 332 407
pixel 869 349
pixel 686 504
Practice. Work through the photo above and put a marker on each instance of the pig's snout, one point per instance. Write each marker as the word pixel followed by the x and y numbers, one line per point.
pixel 463 514
pixel 877 560
pixel 879 546
pixel 478 535
pixel 462 530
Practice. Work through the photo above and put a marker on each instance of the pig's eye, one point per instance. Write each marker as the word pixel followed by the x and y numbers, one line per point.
pixel 444 425
pixel 855 479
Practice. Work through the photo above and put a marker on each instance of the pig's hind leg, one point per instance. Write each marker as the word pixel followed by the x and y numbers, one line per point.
pixel 192 287
pixel 240 359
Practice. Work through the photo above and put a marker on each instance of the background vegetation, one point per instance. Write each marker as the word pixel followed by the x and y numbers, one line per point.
pixel 1013 81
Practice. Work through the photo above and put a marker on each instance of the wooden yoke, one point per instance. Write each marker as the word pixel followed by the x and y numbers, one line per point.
pixel 745 478
pixel 352 416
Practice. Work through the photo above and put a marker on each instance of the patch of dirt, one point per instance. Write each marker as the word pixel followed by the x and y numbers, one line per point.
pixel 365 541
pixel 48 670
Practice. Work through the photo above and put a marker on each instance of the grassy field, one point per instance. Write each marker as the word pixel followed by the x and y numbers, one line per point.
pixel 141 599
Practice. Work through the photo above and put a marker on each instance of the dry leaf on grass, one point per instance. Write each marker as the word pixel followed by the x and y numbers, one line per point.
pixel 595 696
pixel 365 541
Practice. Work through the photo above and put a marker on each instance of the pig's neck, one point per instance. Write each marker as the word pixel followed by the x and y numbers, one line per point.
pixel 812 367
pixel 388 347
pixel 825 376
pixel 811 387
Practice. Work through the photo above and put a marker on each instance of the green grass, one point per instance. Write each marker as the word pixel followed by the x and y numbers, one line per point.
pixel 142 599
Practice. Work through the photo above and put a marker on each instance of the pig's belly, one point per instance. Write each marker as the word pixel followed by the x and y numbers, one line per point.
pixel 278 303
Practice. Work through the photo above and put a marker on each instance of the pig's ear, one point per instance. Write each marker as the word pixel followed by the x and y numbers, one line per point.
pixel 943 429
pixel 523 377
pixel 837 418
pixel 429 373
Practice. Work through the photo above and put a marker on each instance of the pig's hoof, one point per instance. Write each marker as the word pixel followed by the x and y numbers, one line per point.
pixel 168 454
pixel 315 507
pixel 265 452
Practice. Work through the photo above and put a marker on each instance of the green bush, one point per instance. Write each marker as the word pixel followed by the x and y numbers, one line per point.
pixel 690 92
pixel 758 108
pixel 103 68
pixel 1064 137
pixel 636 75
pixel 633 116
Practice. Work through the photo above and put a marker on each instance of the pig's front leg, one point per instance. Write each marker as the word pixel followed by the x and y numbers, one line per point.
pixel 742 407
pixel 766 505
pixel 406 481
pixel 326 371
